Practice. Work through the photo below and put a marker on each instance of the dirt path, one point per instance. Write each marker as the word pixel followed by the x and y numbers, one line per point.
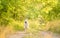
pixel 41 34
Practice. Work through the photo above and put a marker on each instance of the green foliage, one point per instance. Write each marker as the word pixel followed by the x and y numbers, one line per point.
pixel 18 10
pixel 18 28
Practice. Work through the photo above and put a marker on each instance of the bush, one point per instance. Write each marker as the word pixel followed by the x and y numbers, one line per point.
pixel 18 28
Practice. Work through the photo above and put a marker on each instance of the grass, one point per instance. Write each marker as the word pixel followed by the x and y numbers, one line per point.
pixel 34 27
pixel 54 26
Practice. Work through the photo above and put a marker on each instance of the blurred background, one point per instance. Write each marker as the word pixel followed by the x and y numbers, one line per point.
pixel 42 15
